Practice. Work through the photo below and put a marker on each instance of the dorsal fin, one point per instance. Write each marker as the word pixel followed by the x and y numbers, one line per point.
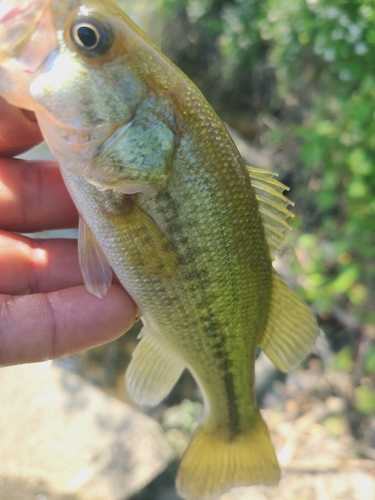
pixel 272 204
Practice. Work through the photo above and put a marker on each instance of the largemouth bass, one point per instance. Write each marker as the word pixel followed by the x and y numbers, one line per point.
pixel 167 203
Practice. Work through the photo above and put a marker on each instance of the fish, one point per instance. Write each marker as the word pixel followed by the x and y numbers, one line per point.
pixel 168 204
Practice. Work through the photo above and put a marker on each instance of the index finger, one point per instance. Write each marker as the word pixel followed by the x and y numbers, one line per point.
pixel 51 325
pixel 19 130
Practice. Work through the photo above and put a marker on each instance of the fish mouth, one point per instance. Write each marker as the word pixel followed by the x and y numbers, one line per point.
pixel 18 21
pixel 9 11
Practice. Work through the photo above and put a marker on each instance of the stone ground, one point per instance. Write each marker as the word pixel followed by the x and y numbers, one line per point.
pixel 64 439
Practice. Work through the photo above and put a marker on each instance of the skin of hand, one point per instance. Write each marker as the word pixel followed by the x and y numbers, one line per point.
pixel 45 309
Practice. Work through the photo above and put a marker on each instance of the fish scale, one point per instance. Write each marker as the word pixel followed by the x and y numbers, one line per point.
pixel 217 294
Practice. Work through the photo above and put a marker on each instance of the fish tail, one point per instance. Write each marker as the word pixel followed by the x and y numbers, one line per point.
pixel 214 463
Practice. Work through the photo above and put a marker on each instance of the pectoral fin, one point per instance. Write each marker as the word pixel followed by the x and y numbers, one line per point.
pixel 153 370
pixel 291 329
pixel 96 271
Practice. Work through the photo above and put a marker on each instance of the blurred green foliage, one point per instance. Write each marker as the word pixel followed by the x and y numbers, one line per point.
pixel 331 44
pixel 365 400
pixel 218 43
pixel 343 360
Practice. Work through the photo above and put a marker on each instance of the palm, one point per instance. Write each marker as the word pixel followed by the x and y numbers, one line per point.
pixel 45 310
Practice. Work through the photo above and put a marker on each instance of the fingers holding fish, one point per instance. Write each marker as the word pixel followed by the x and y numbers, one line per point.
pixel 19 130
pixel 33 197
pixel 35 266
pixel 45 311
pixel 50 325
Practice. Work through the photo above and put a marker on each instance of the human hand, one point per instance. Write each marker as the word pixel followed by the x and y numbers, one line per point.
pixel 45 310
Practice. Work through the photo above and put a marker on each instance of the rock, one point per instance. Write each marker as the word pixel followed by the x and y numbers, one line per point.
pixel 243 493
pixel 63 439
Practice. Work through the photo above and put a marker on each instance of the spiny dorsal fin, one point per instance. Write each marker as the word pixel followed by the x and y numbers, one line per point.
pixel 272 204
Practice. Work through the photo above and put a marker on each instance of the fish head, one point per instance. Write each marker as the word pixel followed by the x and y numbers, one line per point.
pixel 95 72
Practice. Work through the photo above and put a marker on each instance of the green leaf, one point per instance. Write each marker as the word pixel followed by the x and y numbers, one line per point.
pixel 343 360
pixel 370 361
pixel 307 241
pixel 359 162
pixel 357 189
pixel 364 400
pixel 325 128
pixel 344 280
pixel 358 293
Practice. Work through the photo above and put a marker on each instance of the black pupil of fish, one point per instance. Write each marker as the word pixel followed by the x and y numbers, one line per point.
pixel 87 36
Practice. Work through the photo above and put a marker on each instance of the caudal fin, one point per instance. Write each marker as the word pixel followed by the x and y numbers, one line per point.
pixel 213 463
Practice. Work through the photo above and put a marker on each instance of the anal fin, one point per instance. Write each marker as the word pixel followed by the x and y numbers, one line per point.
pixel 153 370
pixel 291 328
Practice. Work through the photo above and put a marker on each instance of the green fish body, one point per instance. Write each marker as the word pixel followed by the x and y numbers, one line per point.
pixel 167 202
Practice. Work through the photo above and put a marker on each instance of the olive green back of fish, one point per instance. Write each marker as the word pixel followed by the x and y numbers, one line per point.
pixel 189 238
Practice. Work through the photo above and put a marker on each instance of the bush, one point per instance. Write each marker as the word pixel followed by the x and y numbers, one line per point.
pixel 329 45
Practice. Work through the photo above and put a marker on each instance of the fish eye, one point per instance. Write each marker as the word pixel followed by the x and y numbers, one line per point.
pixel 91 36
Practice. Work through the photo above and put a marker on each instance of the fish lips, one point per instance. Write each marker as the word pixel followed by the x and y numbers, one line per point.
pixel 18 22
